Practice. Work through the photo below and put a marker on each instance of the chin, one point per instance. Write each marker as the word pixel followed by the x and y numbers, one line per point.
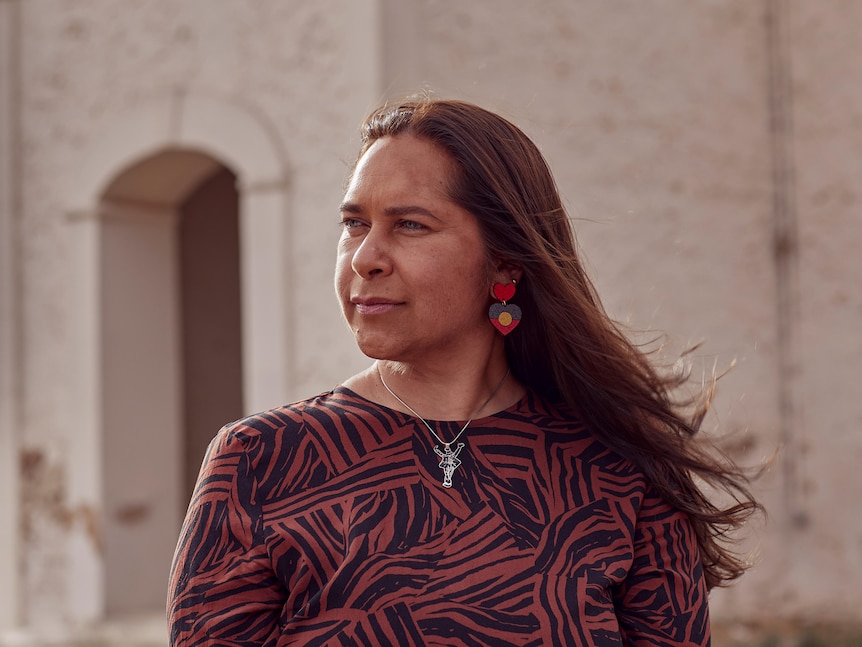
pixel 376 347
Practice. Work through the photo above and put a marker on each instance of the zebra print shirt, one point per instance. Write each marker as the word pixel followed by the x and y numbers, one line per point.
pixel 326 523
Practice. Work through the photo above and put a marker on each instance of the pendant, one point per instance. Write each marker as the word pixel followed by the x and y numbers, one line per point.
pixel 449 461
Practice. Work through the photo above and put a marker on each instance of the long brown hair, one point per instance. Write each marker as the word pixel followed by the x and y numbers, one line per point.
pixel 566 347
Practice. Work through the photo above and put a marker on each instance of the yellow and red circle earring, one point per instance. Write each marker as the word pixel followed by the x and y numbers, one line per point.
pixel 505 316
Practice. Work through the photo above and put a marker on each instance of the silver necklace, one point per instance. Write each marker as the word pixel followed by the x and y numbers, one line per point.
pixel 449 460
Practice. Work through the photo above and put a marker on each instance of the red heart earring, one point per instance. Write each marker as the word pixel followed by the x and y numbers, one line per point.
pixel 504 316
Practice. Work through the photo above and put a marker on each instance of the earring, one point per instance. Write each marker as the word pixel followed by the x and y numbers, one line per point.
pixel 505 316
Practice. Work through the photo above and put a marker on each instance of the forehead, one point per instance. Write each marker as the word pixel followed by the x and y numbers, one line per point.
pixel 403 163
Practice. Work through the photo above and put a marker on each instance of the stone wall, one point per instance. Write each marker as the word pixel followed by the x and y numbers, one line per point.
pixel 708 153
pixel 306 70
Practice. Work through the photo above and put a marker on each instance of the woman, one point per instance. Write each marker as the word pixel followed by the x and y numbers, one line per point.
pixel 509 471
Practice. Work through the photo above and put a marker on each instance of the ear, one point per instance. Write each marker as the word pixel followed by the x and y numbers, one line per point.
pixel 507 271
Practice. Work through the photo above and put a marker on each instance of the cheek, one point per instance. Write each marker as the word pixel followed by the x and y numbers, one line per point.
pixel 483 282
pixel 343 274
pixel 466 299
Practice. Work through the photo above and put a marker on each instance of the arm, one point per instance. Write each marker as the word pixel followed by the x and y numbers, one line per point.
pixel 223 592
pixel 663 600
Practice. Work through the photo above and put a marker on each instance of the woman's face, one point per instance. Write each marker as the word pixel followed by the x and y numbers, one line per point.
pixel 412 274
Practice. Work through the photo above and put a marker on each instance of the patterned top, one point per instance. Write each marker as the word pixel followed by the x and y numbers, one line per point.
pixel 326 523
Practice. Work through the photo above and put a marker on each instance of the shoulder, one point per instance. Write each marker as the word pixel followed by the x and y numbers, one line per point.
pixel 291 419
pixel 304 440
pixel 273 430
pixel 566 432
pixel 591 465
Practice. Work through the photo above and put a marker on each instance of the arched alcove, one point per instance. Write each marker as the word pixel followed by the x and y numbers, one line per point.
pixel 130 185
pixel 171 359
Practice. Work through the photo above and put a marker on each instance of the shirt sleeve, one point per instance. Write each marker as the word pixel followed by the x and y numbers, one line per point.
pixel 663 600
pixel 223 591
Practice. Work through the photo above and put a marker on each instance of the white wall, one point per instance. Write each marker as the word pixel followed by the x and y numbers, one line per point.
pixel 655 117
pixel 9 313
pixel 266 91
pixel 659 121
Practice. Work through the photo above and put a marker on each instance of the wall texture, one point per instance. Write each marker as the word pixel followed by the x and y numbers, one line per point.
pixel 709 153
pixel 304 69
pixel 706 151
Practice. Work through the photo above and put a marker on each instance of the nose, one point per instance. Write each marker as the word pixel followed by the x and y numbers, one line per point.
pixel 371 257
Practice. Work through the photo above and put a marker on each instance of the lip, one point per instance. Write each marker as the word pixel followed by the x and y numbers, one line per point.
pixel 374 305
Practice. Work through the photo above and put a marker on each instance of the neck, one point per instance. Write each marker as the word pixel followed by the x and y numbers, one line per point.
pixel 469 392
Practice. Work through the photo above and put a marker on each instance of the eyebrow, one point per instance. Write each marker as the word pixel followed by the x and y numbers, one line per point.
pixel 394 212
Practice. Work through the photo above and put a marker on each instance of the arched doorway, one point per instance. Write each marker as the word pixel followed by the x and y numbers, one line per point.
pixel 171 358
pixel 152 157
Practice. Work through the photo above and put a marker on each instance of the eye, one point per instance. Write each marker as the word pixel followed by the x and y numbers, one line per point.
pixel 350 223
pixel 411 225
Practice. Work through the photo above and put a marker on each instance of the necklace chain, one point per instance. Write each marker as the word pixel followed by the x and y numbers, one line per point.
pixel 425 422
